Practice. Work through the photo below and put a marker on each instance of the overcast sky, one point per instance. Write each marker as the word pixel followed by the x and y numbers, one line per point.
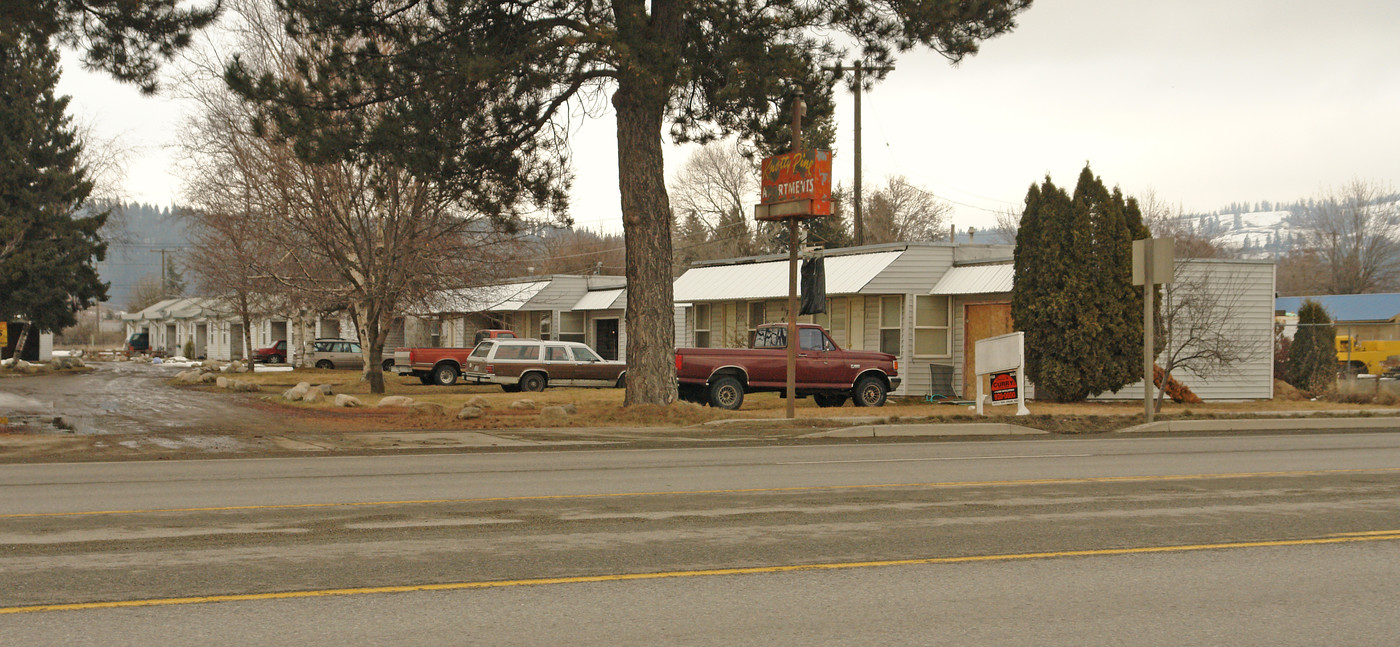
pixel 1204 101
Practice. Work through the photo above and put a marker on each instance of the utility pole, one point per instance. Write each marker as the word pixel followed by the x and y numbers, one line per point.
pixel 859 82
pixel 163 285
pixel 799 108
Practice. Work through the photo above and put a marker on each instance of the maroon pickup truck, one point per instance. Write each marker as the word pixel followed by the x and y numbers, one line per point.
pixel 721 376
pixel 439 365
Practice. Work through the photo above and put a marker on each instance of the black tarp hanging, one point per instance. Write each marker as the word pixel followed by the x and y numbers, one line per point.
pixel 813 286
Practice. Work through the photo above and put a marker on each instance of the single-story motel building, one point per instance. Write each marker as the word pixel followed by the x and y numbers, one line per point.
pixel 926 303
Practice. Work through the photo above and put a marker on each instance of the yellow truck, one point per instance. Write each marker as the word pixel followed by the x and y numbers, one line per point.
pixel 1377 357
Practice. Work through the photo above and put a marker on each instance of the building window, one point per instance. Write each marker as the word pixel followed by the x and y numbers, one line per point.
pixel 837 310
pixel 571 326
pixel 891 309
pixel 757 316
pixel 931 326
pixel 702 325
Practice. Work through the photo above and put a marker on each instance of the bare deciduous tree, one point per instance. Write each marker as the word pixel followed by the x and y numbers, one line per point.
pixel 1355 231
pixel 367 234
pixel 1008 223
pixel 712 196
pixel 1166 221
pixel 147 292
pixel 1200 314
pixel 901 211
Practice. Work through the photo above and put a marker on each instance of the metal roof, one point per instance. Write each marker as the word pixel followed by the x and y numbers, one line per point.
pixel 845 274
pixel 599 300
pixel 1349 307
pixel 495 298
pixel 976 279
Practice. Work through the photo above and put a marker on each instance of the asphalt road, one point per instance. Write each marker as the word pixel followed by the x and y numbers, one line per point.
pixel 1254 540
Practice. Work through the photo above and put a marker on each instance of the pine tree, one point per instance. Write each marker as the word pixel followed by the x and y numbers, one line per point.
pixel 1312 358
pixel 47 272
pixel 1050 301
pixel 1073 294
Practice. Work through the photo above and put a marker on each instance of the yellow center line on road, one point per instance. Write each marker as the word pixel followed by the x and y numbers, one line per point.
pixel 1387 535
pixel 801 488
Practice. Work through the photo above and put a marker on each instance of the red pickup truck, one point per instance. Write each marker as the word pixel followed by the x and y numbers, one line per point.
pixel 721 376
pixel 440 366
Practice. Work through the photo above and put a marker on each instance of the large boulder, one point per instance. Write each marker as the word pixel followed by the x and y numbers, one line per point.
pixel 396 401
pixel 294 394
pixel 554 414
pixel 468 412
pixel 343 400
pixel 313 396
pixel 222 382
pixel 187 377
pixel 209 378
pixel 429 409
pixel 245 387
pixel 479 402
pixel 524 404
pixel 325 389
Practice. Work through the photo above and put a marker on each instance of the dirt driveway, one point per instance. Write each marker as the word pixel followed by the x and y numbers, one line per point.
pixel 121 398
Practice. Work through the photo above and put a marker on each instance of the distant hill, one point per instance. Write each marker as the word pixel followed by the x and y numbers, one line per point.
pixel 1258 230
pixel 135 233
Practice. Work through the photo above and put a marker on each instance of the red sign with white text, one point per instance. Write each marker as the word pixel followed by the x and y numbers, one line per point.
pixel 1003 387
pixel 798 176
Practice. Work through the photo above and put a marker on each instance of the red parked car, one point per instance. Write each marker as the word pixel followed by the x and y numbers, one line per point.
pixel 721 376
pixel 273 354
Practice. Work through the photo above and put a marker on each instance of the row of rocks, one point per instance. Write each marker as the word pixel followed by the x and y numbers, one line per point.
pixel 58 363
pixel 305 392
pixel 196 376
pixel 476 407
pixel 236 385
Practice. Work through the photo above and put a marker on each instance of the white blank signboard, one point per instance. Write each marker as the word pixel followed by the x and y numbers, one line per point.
pixel 1000 353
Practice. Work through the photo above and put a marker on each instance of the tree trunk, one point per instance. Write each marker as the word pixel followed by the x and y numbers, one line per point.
pixel 247 316
pixel 646 221
pixel 372 333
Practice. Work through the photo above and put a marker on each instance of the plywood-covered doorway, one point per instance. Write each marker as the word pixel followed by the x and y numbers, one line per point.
pixel 980 321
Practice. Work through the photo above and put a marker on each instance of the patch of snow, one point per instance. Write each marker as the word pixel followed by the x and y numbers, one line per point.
pixel 182 363
pixel 260 368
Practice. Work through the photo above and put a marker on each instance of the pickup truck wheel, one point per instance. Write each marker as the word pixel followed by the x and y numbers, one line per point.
pixel 726 393
pixel 532 382
pixel 445 375
pixel 622 381
pixel 829 399
pixel 325 363
pixel 387 366
pixel 275 359
pixel 869 392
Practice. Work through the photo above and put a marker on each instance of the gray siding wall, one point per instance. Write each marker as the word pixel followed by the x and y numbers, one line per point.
pixel 917 270
pixel 1244 289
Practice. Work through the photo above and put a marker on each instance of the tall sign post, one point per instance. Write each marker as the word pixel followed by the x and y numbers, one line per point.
pixel 795 186
pixel 1154 261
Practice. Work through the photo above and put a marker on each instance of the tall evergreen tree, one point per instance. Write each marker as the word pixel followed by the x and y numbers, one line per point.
pixel 1051 301
pixel 47 272
pixel 1312 358
pixel 1073 294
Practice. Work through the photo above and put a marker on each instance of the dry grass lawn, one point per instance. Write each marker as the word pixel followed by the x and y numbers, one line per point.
pixel 603 408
